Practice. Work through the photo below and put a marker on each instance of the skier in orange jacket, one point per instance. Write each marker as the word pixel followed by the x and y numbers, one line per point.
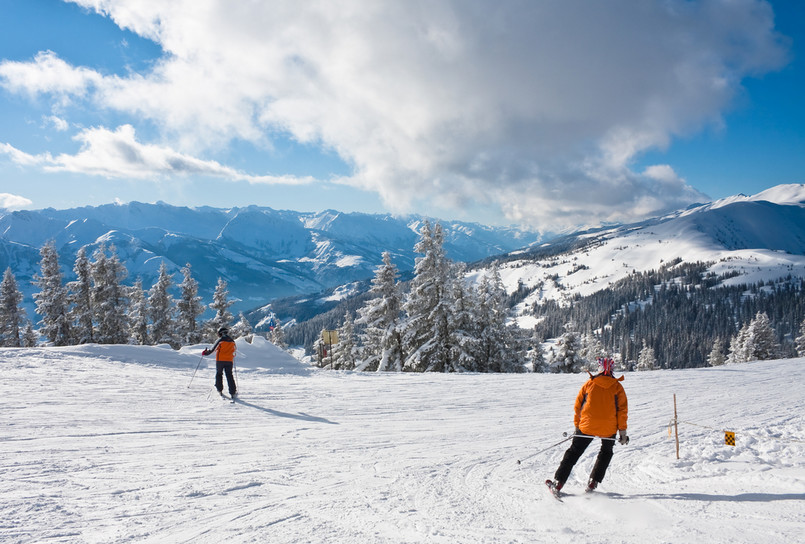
pixel 224 349
pixel 601 410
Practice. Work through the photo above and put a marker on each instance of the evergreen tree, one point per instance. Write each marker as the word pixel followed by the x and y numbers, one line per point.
pixel 51 300
pixel 762 342
pixel 220 304
pixel 162 310
pixel 29 335
pixel 138 314
pixel 380 316
pixel 567 357
pixel 646 360
pixel 109 300
pixel 345 353
pixel 12 315
pixel 738 346
pixel 427 334
pixel 716 357
pixel 277 335
pixel 536 355
pixel 591 350
pixel 495 340
pixel 464 323
pixel 242 329
pixel 79 294
pixel 189 309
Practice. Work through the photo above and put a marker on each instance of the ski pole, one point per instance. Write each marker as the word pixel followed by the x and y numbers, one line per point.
pixel 196 370
pixel 568 437
pixel 593 436
pixel 546 449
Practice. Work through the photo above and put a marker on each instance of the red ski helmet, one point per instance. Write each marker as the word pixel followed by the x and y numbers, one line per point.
pixel 606 364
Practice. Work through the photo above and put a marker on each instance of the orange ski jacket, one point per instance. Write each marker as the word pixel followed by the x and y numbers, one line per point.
pixel 224 349
pixel 601 407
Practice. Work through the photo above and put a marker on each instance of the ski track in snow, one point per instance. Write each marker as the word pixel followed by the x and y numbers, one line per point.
pixel 97 450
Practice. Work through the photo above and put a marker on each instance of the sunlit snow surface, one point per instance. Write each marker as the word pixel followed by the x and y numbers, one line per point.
pixel 109 444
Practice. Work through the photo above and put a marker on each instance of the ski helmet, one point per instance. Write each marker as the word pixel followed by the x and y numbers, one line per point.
pixel 222 331
pixel 606 365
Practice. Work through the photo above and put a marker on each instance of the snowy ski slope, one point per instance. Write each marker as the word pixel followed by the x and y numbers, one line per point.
pixel 108 444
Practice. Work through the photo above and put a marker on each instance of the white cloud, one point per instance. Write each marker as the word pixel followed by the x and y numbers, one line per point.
pixel 538 108
pixel 13 202
pixel 118 154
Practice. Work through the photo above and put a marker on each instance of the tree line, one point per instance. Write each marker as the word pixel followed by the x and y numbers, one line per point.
pixel 97 307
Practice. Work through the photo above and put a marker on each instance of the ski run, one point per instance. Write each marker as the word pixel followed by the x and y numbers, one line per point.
pixel 113 444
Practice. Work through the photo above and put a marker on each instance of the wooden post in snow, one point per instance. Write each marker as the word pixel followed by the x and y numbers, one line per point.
pixel 676 428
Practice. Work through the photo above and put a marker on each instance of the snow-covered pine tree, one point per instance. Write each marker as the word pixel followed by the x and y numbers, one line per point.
pixel 138 314
pixel 189 309
pixel 426 336
pixel 242 329
pixel 277 335
pixel 51 300
pixel 536 355
pixel 591 350
pixel 12 315
pixel 738 346
pixel 762 342
pixel 566 358
pixel 646 359
pixel 716 356
pixel 380 316
pixel 29 335
pixel 464 322
pixel 345 352
pixel 162 310
pixel 495 353
pixel 79 294
pixel 109 297
pixel 220 304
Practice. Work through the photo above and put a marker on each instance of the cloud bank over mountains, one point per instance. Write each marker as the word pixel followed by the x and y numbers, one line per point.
pixel 538 109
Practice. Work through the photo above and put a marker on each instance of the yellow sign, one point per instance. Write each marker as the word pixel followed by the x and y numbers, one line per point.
pixel 729 438
pixel 329 337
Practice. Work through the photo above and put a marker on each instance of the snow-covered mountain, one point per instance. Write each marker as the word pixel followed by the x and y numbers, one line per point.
pixel 759 238
pixel 262 253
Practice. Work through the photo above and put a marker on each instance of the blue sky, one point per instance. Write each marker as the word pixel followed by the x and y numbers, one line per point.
pixel 548 115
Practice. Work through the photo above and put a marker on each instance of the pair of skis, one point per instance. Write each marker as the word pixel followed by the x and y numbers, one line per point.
pixel 557 493
pixel 227 397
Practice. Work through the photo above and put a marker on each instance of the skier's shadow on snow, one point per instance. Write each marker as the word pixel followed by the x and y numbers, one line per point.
pixel 301 415
pixel 743 497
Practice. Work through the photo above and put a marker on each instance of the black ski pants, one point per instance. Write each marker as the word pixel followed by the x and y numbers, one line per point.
pixel 222 367
pixel 575 451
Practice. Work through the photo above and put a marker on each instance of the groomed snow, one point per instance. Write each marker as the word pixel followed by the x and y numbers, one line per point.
pixel 109 444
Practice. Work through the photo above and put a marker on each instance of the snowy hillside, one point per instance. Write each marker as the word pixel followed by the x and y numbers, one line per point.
pixel 263 253
pixel 761 237
pixel 108 444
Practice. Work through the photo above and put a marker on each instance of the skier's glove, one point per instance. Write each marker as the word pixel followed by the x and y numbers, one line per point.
pixel 205 352
pixel 622 438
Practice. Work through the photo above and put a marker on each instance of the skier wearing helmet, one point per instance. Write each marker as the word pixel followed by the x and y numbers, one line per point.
pixel 224 350
pixel 601 410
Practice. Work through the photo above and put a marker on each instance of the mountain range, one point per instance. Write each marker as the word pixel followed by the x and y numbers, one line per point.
pixel 262 253
pixel 751 239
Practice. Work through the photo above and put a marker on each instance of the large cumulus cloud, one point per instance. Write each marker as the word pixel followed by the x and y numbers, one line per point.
pixel 537 108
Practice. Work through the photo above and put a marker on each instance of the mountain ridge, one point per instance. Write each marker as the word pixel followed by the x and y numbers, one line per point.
pixel 262 253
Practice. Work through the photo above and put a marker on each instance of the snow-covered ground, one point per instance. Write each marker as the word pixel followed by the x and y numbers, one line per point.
pixel 109 444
